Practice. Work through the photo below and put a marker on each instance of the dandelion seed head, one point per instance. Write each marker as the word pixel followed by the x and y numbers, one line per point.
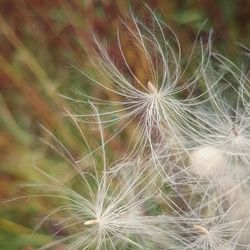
pixel 207 161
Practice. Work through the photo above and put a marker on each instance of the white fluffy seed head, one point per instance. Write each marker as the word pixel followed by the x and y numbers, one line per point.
pixel 207 161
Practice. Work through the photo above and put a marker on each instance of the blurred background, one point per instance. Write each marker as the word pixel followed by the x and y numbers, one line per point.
pixel 40 40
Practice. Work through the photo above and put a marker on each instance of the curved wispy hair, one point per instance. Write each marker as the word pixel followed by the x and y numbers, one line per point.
pixel 184 182
pixel 159 102
pixel 211 227
pixel 224 123
pixel 110 209
pixel 112 214
pixel 203 216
